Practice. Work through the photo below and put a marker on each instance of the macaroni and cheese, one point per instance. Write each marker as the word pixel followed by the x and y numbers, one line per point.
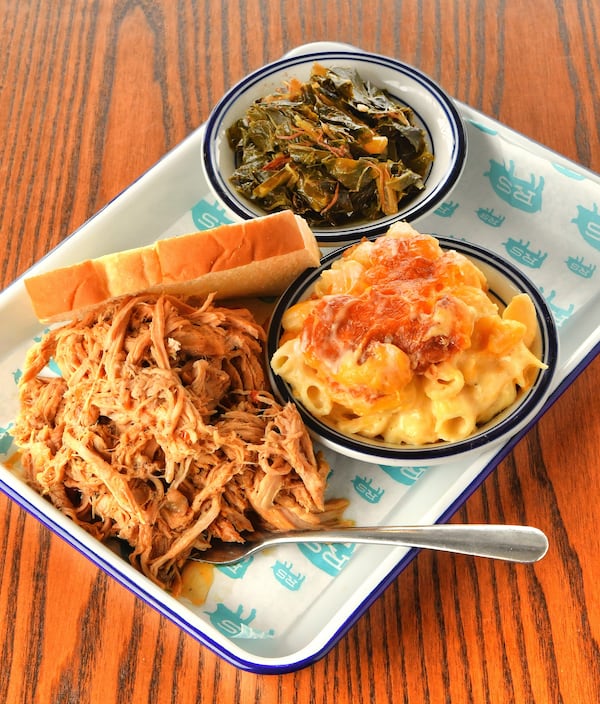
pixel 400 341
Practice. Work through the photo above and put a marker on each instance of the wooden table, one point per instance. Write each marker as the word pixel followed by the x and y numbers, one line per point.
pixel 92 93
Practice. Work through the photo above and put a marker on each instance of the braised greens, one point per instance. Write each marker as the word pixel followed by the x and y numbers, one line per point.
pixel 335 149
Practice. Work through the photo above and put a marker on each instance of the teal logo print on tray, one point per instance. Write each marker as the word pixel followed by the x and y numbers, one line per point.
pixel 489 217
pixel 577 266
pixel 569 173
pixel 6 439
pixel 447 209
pixel 207 215
pixel 284 574
pixel 588 224
pixel 518 193
pixel 233 625
pixel 53 366
pixel 364 488
pixel 560 314
pixel 521 252
pixel 238 569
pixel 404 475
pixel 331 558
pixel 484 128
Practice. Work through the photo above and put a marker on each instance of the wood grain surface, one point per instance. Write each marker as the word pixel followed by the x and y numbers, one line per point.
pixel 93 93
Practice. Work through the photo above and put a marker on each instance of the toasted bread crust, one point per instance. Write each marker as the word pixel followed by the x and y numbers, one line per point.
pixel 251 258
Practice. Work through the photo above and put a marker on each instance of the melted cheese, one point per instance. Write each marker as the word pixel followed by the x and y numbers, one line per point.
pixel 401 341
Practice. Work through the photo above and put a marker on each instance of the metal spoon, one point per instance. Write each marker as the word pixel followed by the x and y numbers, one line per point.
pixel 504 542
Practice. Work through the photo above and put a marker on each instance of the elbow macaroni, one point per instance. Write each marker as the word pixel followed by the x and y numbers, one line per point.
pixel 401 342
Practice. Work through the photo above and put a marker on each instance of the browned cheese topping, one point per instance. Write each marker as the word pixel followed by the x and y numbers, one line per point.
pixel 161 432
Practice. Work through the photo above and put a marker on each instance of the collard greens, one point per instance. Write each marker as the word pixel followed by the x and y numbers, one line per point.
pixel 334 149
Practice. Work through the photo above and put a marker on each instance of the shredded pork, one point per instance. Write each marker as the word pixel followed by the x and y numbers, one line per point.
pixel 161 432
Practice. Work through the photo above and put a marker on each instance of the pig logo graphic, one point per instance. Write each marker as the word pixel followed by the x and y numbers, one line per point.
pixel 483 128
pixel 569 173
pixel 238 569
pixel 576 265
pixel 283 572
pixel 207 215
pixel 560 313
pixel 588 224
pixel 517 192
pixel 232 624
pixel 404 475
pixel 364 488
pixel 6 439
pixel 328 557
pixel 446 210
pixel 521 251
pixel 490 218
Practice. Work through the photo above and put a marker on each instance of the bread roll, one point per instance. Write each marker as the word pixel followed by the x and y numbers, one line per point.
pixel 257 257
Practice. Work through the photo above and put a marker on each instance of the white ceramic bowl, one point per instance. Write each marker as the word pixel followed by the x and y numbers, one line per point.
pixel 433 110
pixel 505 281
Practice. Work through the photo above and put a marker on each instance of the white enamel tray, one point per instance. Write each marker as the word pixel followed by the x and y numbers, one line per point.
pixel 284 609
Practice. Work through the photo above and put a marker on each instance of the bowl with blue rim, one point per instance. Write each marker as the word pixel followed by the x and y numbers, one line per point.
pixel 504 281
pixel 352 141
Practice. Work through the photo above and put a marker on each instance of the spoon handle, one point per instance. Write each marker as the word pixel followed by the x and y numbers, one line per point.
pixel 504 542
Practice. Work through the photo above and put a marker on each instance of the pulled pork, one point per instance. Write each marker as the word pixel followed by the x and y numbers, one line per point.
pixel 161 432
